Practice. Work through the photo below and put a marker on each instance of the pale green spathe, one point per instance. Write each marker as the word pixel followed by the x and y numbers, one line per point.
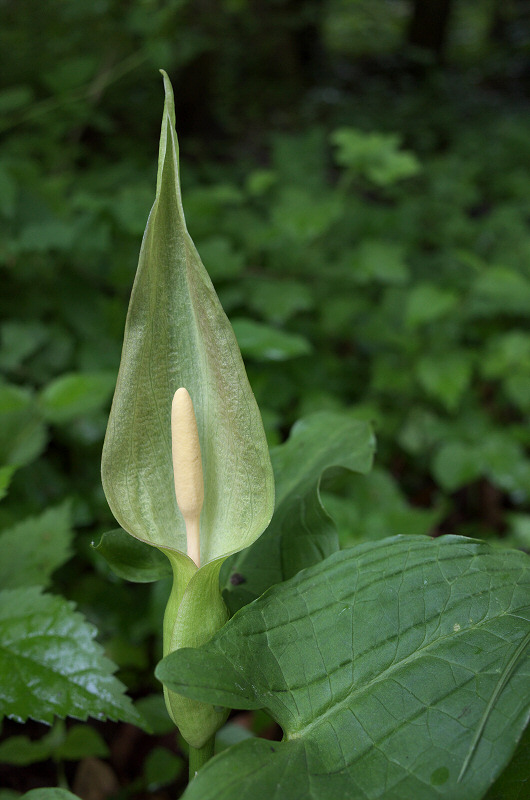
pixel 177 335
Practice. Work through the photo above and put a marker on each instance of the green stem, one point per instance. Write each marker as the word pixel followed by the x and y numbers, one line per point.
pixel 199 756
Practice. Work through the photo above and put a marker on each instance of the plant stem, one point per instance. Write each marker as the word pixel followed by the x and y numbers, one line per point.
pixel 199 756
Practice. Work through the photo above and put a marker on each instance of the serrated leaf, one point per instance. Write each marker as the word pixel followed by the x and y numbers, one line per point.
pixel 34 548
pixel 132 559
pixel 380 664
pixel 50 664
pixel 177 335
pixel 301 533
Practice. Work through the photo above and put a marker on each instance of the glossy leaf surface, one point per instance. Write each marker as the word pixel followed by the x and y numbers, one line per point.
pixel 389 667
pixel 50 664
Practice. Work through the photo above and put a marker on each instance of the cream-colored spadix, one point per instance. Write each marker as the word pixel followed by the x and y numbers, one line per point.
pixel 187 468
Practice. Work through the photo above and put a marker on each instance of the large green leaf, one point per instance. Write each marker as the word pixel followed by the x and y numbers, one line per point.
pixel 35 547
pixel 514 783
pixel 301 532
pixel 50 664
pixel 394 669
pixel 177 335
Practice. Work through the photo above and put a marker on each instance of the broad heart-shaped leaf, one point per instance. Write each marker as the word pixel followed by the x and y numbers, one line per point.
pixel 389 666
pixel 50 664
pixel 35 547
pixel 177 335
pixel 301 533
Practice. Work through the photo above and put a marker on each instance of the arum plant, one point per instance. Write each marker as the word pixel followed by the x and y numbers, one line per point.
pixel 396 669
pixel 185 463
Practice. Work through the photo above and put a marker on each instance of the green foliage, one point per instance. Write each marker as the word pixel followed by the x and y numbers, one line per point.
pixel 33 549
pixel 375 690
pixel 364 218
pixel 51 665
pixel 301 532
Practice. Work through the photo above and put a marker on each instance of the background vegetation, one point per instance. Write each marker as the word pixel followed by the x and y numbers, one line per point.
pixel 356 178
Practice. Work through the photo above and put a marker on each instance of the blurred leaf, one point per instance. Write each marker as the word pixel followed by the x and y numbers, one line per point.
pixel 78 742
pixel 20 340
pixel 278 300
pixel 21 751
pixel 131 207
pixel 22 433
pixel 220 258
pixel 427 303
pixel 500 290
pixel 161 767
pixel 49 793
pixel 132 559
pixel 153 709
pixel 15 98
pixel 446 377
pixel 73 395
pixel 301 216
pixel 81 741
pixel 384 262
pixel 265 343
pixel 50 664
pixel 375 156
pixel 34 548
pixel 6 473
pixel 507 353
pixel 374 508
pixel 456 464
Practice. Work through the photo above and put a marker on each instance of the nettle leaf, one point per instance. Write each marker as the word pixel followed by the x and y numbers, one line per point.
pixel 301 532
pixel 132 559
pixel 34 548
pixel 177 334
pixel 396 669
pixel 50 664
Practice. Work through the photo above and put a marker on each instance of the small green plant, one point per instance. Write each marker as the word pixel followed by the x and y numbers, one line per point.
pixel 396 669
